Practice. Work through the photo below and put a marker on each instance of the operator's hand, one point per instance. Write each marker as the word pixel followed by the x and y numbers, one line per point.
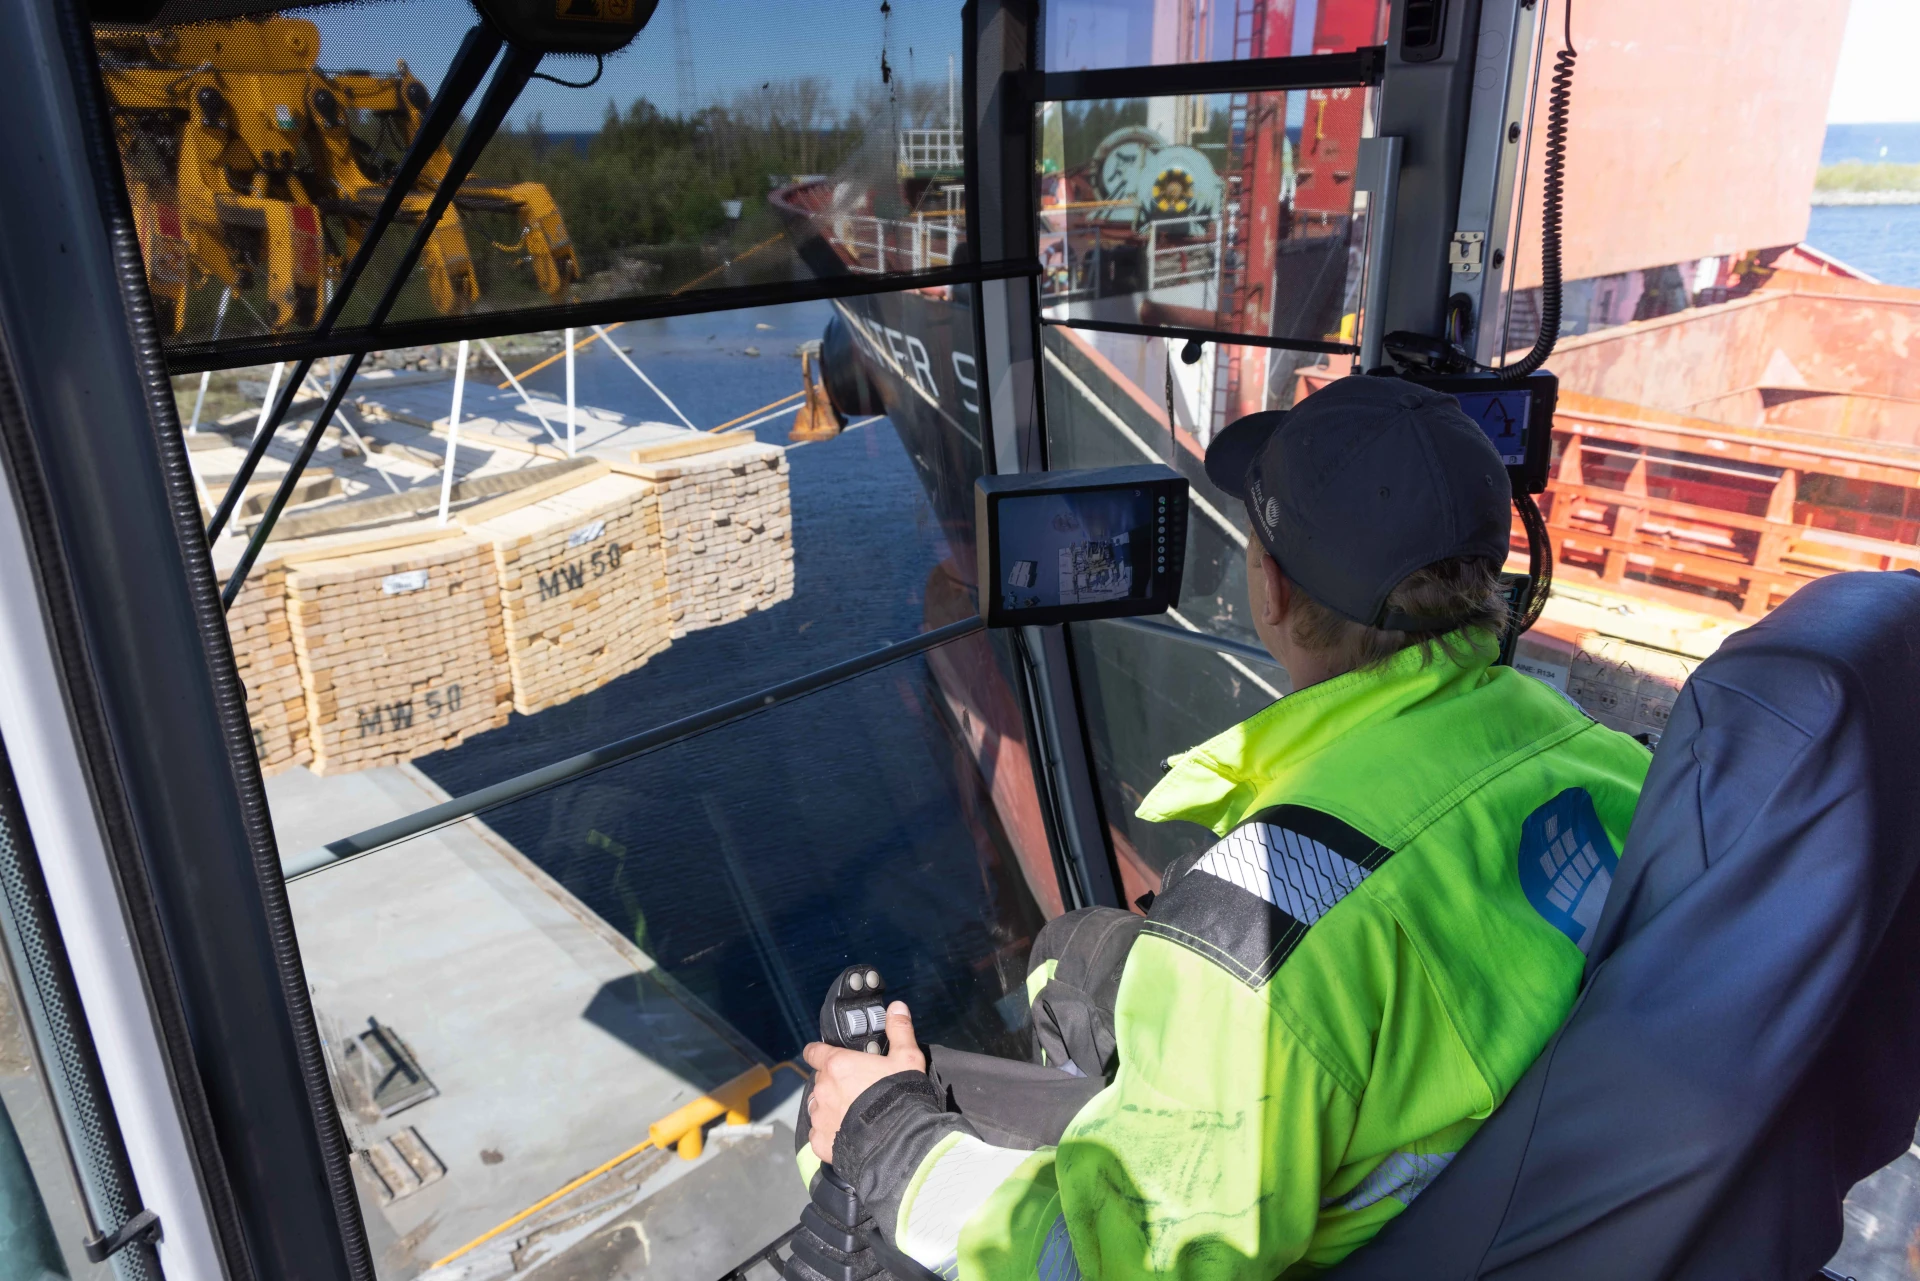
pixel 841 1076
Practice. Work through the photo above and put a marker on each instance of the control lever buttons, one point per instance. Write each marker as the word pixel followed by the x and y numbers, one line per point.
pixel 854 1016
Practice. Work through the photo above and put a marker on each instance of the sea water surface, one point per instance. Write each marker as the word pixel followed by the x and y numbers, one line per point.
pixel 1881 240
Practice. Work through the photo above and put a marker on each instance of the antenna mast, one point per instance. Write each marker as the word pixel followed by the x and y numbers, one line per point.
pixel 683 59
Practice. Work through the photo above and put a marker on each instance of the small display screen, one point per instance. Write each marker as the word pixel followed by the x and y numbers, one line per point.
pixel 1080 545
pixel 1503 416
pixel 1080 548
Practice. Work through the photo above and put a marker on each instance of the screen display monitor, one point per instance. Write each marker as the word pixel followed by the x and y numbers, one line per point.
pixel 1079 545
pixel 1503 416
pixel 1517 417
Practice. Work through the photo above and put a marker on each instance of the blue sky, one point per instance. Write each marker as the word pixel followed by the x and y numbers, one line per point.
pixel 737 45
pixel 741 44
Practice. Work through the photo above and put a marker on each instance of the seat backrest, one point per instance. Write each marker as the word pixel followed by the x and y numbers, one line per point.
pixel 1746 1044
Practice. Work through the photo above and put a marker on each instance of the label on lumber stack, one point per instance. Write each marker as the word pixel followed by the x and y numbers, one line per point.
pixel 400 649
pixel 263 654
pixel 582 587
pixel 726 532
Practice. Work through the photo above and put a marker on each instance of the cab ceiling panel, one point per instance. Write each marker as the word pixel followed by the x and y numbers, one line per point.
pixel 736 152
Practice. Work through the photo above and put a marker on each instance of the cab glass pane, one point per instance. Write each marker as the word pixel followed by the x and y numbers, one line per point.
pixel 1079 35
pixel 1147 697
pixel 1223 212
pixel 1703 473
pixel 525 997
pixel 717 527
pixel 732 144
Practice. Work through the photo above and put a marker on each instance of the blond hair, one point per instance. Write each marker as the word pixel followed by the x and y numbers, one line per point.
pixel 1463 588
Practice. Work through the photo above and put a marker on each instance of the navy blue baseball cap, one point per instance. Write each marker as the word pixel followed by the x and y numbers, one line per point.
pixel 1362 483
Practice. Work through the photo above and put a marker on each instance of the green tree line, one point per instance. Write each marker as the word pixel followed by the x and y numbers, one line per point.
pixel 1863 175
pixel 649 181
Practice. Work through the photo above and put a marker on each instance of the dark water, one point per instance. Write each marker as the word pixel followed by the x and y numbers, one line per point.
pixel 1881 240
pixel 755 861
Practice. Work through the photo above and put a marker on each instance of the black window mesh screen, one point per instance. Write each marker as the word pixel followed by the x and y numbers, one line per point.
pixel 734 144
pixel 1083 35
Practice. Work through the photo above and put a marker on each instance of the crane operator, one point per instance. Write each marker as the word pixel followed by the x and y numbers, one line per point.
pixel 1317 1011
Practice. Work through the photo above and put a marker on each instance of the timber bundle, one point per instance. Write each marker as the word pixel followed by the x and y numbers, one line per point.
pixel 388 643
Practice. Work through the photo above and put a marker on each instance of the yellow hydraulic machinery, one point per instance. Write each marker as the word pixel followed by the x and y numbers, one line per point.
pixel 250 166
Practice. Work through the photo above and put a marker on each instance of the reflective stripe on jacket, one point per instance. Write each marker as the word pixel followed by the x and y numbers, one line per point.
pixel 1322 1010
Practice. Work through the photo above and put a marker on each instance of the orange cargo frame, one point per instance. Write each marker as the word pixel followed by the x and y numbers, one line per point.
pixel 1600 534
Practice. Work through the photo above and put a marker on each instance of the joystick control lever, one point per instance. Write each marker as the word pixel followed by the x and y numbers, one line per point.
pixel 836 1240
pixel 854 1016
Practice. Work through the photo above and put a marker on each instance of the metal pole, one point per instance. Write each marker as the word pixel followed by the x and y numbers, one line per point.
pixel 366 450
pixel 266 406
pixel 494 356
pixel 615 349
pixel 1219 259
pixel 1378 174
pixel 346 424
pixel 570 410
pixel 193 426
pixel 321 390
pixel 200 488
pixel 453 431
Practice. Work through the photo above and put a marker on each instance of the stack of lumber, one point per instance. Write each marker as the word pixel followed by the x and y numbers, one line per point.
pixel 400 648
pixel 380 636
pixel 583 590
pixel 263 654
pixel 726 531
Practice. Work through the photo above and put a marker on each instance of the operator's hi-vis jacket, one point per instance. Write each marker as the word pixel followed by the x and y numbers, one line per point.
pixel 1325 1007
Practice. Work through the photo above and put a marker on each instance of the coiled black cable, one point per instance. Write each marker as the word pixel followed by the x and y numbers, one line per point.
pixel 1552 200
pixel 1539 560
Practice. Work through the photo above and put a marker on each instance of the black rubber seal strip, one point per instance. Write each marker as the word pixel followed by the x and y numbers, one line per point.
pixel 1351 70
pixel 1203 335
pixel 195 357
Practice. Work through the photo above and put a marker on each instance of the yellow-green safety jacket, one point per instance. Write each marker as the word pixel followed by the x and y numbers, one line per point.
pixel 1324 1008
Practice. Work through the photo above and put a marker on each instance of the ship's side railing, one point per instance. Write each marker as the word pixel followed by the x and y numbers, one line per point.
pixel 1176 251
pixel 1184 251
pixel 880 245
pixel 932 151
